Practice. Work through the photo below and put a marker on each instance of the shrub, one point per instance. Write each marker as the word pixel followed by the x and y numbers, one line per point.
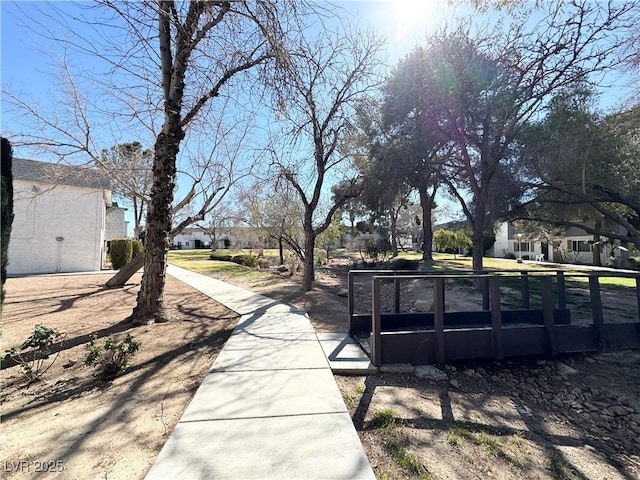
pixel 246 260
pixel 34 351
pixel 113 357
pixel 404 264
pixel 510 255
pixel 136 248
pixel 121 252
pixel 222 257
pixel 241 259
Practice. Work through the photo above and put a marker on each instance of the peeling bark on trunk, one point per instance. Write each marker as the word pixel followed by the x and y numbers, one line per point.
pixel 150 305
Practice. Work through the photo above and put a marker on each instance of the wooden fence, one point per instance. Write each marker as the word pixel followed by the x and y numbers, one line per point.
pixel 392 335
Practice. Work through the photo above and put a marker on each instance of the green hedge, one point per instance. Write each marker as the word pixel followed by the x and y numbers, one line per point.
pixel 122 250
pixel 404 264
pixel 223 257
pixel 137 247
pixel 246 260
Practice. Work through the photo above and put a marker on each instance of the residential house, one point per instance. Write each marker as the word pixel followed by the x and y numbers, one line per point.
pixel 116 225
pixel 192 237
pixel 234 237
pixel 575 245
pixel 60 216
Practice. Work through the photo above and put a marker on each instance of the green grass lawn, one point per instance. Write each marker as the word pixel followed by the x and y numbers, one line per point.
pixel 198 261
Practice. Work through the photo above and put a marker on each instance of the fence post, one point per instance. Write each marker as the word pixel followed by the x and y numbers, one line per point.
pixel 496 318
pixel 548 315
pixel 485 293
pixel 396 296
pixel 524 287
pixel 596 308
pixel 376 324
pixel 438 318
pixel 638 295
pixel 350 306
pixel 562 294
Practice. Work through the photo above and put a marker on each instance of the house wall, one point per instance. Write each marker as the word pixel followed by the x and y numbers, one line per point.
pixel 239 237
pixel 45 212
pixel 568 246
pixel 116 225
pixel 186 240
pixel 507 241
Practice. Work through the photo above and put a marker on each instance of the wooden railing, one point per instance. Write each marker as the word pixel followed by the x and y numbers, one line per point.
pixel 438 338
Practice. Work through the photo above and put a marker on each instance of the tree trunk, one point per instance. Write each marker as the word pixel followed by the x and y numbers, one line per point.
pixel 137 218
pixel 309 247
pixel 150 304
pixel 426 202
pixel 281 250
pixel 596 245
pixel 394 232
pixel 477 239
pixel 126 272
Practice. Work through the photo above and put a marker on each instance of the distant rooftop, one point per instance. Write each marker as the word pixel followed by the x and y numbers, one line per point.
pixel 58 174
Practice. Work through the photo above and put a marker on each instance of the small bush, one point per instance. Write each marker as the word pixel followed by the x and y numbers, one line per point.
pixel 121 252
pixel 112 358
pixel 510 255
pixel 404 264
pixel 34 351
pixel 222 257
pixel 246 260
pixel 136 248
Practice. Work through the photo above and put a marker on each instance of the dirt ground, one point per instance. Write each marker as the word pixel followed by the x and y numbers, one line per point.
pixel 72 425
pixel 577 417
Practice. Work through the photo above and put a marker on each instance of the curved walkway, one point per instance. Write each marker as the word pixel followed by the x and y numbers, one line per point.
pixel 269 407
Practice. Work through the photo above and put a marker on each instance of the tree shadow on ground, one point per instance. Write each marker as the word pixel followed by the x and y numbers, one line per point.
pixel 534 422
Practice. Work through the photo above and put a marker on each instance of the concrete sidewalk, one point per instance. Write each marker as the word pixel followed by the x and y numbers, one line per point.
pixel 269 408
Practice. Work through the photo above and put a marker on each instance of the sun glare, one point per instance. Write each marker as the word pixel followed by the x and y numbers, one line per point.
pixel 411 16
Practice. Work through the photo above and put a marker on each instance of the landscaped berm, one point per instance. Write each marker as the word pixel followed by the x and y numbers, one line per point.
pixel 575 416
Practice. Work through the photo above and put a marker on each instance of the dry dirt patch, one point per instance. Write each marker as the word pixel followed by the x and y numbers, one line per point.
pixel 514 419
pixel 524 419
pixel 76 425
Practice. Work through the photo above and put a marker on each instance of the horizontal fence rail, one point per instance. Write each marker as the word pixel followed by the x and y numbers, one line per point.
pixel 439 335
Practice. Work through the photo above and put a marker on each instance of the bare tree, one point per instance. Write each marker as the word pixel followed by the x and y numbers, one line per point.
pixel 275 213
pixel 169 59
pixel 129 167
pixel 325 78
pixel 219 224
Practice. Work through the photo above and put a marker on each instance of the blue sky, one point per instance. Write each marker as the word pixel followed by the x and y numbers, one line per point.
pixel 27 61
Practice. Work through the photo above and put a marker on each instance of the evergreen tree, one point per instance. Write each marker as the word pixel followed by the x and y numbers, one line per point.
pixel 6 194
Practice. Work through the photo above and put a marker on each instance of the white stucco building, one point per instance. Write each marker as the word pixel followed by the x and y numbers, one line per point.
pixel 575 245
pixel 59 220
